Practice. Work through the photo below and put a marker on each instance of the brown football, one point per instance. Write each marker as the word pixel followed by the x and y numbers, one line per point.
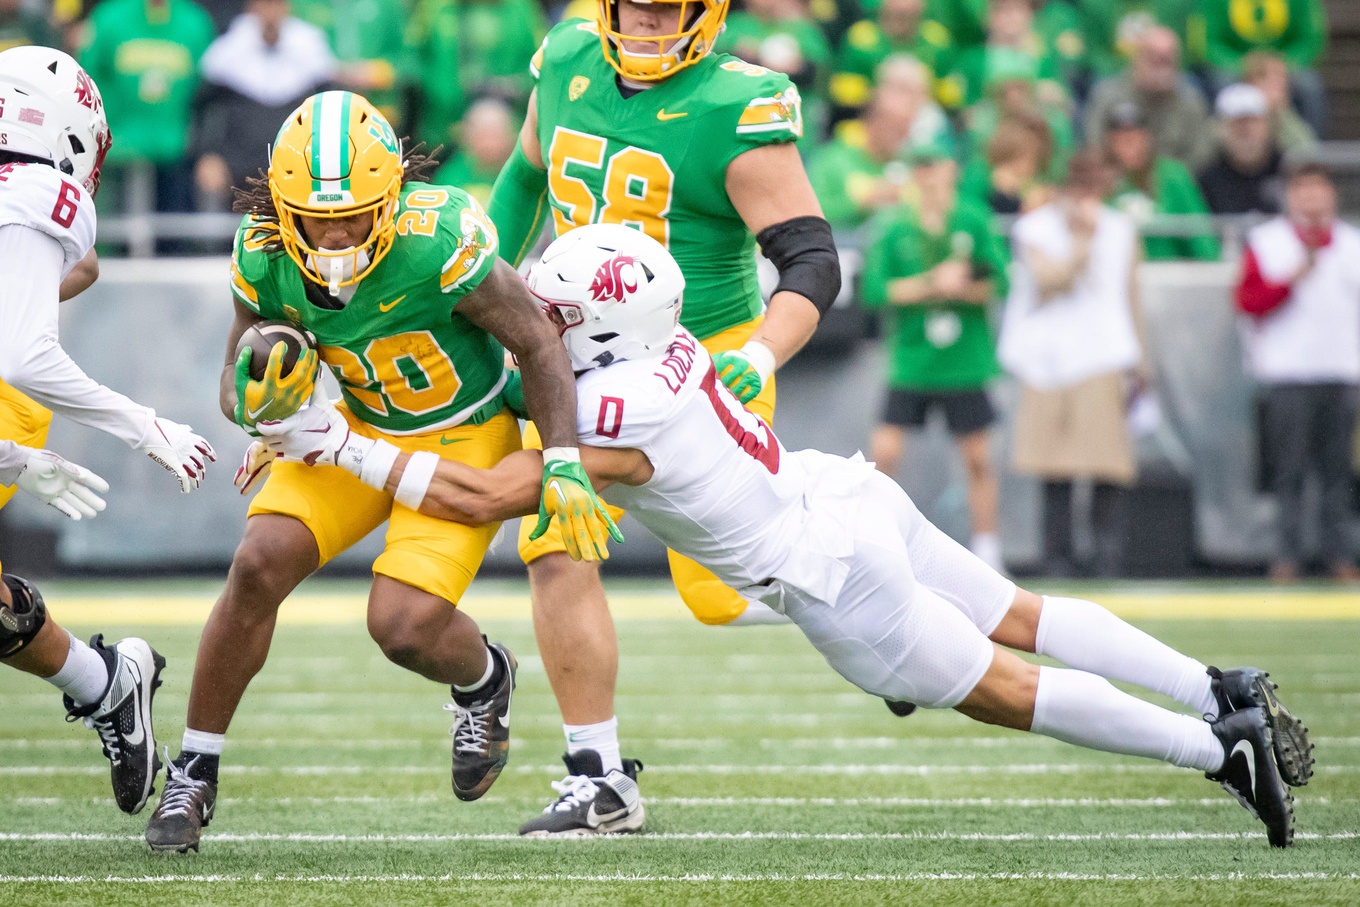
pixel 262 337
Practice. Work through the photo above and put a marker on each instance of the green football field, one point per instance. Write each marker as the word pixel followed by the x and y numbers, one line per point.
pixel 769 780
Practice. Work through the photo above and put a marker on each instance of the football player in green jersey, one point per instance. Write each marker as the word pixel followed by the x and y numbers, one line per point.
pixel 399 282
pixel 635 121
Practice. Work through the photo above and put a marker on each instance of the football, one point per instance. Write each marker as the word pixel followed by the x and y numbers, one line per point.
pixel 262 338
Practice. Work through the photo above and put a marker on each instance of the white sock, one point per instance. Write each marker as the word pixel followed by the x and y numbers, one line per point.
pixel 1087 637
pixel 602 737
pixel 757 613
pixel 84 676
pixel 1081 708
pixel 490 669
pixel 987 547
pixel 202 742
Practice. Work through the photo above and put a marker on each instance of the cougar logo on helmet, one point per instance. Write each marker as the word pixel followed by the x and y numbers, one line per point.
pixel 609 282
pixel 86 93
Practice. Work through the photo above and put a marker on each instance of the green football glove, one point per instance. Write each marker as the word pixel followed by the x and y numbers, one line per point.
pixel 272 398
pixel 569 499
pixel 745 371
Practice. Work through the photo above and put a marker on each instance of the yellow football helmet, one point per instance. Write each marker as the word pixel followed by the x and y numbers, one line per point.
pixel 656 57
pixel 336 156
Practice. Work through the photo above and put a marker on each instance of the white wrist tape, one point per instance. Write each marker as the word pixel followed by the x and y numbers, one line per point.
pixel 415 480
pixel 371 460
pixel 761 358
pixel 563 454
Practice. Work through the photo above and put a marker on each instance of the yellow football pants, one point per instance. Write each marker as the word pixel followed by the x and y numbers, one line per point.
pixel 706 596
pixel 23 421
pixel 434 555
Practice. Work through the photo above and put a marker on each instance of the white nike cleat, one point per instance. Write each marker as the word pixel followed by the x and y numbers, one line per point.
pixel 122 717
pixel 1251 774
pixel 591 801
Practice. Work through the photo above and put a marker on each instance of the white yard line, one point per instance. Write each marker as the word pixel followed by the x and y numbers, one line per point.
pixel 1042 768
pixel 621 878
pixel 306 838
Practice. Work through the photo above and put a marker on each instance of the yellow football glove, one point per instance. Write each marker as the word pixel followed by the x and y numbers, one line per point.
pixel 273 398
pixel 569 499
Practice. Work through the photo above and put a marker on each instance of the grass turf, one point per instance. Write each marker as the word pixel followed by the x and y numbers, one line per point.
pixel 769 780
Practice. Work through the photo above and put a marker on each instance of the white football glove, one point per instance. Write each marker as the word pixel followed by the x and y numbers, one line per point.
pixel 254 467
pixel 316 435
pixel 72 489
pixel 184 454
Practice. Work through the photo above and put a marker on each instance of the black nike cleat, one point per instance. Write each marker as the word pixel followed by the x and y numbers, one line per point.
pixel 1242 688
pixel 900 709
pixel 1251 774
pixel 481 730
pixel 185 809
pixel 591 801
pixel 122 718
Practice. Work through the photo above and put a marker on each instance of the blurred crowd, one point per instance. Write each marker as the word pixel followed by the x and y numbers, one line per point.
pixel 1196 104
pixel 1096 133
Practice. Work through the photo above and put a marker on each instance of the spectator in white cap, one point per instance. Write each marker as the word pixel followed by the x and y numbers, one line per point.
pixel 1247 173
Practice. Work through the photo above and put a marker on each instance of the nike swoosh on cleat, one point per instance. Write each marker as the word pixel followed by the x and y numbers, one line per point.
pixel 504 720
pixel 1245 747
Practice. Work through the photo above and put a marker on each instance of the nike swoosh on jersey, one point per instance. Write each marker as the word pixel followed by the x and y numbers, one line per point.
pixel 1245 747
pixel 663 115
pixel 444 440
pixel 389 306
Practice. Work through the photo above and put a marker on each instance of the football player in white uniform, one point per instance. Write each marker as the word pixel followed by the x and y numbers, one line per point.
pixel 53 138
pixel 895 606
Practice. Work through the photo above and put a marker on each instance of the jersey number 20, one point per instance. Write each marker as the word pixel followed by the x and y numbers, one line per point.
pixel 633 184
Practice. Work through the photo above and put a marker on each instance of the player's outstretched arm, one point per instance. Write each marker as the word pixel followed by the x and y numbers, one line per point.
pixel 503 306
pixel 33 362
pixel 771 192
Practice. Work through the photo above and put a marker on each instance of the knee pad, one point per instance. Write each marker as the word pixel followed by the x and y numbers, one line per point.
pixel 21 620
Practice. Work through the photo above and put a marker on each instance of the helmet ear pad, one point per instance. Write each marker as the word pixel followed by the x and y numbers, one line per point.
pixel 615 293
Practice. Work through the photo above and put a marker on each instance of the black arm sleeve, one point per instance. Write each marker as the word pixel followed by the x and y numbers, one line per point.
pixel 804 252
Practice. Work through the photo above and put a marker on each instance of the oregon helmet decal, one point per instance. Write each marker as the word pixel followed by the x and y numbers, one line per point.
pixel 650 58
pixel 336 156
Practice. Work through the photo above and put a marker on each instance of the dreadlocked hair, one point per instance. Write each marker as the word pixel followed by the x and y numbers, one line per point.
pixel 418 165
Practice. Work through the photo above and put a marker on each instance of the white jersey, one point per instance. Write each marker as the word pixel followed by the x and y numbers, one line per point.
pixel 41 198
pixel 47 225
pixel 724 491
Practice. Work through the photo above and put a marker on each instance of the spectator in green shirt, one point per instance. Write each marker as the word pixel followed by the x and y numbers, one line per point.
pixel 1112 28
pixel 367 39
pixel 854 179
pixel 486 137
pixel 144 55
pixel 1148 185
pixel 1013 90
pixel 1294 29
pixel 1052 39
pixel 899 28
pixel 464 49
pixel 1010 178
pixel 20 26
pixel 936 267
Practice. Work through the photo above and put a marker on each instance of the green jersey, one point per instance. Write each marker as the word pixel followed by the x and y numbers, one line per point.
pixel 658 160
pixel 1294 29
pixel 848 179
pixel 867 45
pixel 1170 190
pixel 940 345
pixel 406 360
